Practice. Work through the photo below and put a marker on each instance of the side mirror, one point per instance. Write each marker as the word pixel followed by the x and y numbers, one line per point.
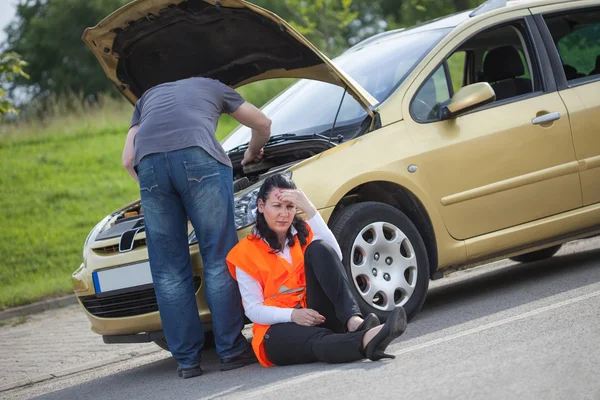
pixel 466 99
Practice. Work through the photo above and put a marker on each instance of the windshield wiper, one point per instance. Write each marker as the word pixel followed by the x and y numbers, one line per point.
pixel 273 139
pixel 281 138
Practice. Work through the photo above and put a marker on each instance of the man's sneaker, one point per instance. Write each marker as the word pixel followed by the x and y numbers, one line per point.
pixel 189 372
pixel 246 358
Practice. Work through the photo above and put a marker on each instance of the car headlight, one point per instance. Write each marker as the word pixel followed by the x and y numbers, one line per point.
pixel 91 237
pixel 245 210
pixel 192 239
pixel 245 207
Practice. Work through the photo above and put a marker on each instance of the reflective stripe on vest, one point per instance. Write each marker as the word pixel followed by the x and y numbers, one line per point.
pixel 285 290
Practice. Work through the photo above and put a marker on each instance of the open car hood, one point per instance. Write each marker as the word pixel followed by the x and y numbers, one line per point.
pixel 148 42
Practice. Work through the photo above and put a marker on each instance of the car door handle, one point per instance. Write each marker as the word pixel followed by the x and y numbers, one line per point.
pixel 544 119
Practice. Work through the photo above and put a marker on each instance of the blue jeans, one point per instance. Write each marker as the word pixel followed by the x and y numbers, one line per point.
pixel 175 186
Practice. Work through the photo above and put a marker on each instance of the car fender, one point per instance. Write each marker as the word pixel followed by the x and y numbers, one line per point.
pixel 380 156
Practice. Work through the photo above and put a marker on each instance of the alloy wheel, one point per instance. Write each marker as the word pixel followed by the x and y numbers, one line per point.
pixel 383 266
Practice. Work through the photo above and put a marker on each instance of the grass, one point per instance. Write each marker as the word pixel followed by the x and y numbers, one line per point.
pixel 59 176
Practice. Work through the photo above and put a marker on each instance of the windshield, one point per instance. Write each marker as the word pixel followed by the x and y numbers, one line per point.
pixel 310 106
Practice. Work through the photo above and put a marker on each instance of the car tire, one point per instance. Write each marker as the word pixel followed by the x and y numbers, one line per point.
pixel 537 255
pixel 209 342
pixel 162 343
pixel 372 271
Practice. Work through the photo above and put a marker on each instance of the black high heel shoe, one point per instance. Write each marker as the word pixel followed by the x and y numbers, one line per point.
pixel 393 328
pixel 370 321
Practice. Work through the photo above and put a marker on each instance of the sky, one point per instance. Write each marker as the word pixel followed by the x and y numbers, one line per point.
pixel 7 13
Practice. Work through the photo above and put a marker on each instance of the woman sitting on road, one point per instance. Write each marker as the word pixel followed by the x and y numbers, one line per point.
pixel 294 288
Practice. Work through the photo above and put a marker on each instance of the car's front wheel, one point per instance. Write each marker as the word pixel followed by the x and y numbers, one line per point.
pixel 384 256
pixel 162 343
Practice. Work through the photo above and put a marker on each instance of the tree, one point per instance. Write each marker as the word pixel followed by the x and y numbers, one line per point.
pixel 326 23
pixel 323 22
pixel 380 15
pixel 11 67
pixel 47 33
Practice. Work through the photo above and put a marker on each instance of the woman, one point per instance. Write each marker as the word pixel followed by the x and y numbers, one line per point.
pixel 294 288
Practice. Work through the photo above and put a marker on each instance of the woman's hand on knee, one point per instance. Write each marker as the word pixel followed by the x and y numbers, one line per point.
pixel 307 317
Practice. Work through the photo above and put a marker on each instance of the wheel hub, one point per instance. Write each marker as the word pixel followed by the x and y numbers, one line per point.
pixel 383 265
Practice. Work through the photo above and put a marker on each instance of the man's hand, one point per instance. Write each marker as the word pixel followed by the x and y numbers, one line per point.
pixel 251 157
pixel 307 317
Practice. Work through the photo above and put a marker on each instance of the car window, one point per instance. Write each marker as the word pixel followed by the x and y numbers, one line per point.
pixel 499 56
pixel 456 65
pixel 577 38
pixel 504 61
pixel 526 74
pixel 427 101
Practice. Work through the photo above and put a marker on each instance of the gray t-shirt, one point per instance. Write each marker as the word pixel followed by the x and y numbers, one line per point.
pixel 181 114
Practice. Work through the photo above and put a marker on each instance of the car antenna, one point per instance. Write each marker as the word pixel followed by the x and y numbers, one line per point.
pixel 337 113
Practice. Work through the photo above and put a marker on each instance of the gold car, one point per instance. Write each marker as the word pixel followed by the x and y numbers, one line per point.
pixel 464 140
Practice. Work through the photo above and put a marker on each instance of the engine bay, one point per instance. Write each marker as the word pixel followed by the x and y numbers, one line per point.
pixel 277 158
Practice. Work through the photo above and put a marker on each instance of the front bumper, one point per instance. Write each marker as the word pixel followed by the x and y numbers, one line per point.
pixel 134 338
pixel 132 311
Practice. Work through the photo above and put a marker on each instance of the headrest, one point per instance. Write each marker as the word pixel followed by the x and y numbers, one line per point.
pixel 503 63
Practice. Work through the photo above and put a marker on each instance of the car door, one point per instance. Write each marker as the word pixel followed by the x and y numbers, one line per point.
pixel 507 163
pixel 573 42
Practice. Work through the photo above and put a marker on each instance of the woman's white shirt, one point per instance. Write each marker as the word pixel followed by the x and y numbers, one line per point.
pixel 252 292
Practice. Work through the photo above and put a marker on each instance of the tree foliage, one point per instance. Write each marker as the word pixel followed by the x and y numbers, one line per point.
pixel 11 67
pixel 47 33
pixel 323 22
pixel 381 15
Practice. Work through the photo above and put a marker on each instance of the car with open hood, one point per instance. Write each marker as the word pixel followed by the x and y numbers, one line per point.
pixel 460 141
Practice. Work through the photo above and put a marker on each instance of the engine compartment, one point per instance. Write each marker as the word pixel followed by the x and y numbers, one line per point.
pixel 277 158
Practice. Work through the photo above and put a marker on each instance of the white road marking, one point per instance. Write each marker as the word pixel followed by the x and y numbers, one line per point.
pixel 498 323
pixel 224 392
pixel 315 375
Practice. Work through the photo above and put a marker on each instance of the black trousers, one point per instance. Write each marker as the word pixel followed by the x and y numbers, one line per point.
pixel 328 292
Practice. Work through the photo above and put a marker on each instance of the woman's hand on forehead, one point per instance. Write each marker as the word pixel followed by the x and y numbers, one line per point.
pixel 297 198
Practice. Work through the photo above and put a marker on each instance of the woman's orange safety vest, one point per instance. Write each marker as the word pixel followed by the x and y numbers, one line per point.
pixel 283 285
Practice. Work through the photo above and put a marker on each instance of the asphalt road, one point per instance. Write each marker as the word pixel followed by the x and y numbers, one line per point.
pixel 502 331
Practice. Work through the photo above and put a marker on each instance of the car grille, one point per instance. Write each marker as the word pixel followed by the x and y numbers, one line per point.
pixel 115 247
pixel 126 304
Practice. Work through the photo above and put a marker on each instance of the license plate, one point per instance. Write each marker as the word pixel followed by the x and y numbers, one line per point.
pixel 119 278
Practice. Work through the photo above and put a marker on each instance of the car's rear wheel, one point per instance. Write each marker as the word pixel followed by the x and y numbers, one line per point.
pixel 537 255
pixel 384 256
pixel 209 342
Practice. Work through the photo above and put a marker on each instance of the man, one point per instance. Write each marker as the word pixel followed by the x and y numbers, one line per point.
pixel 183 172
